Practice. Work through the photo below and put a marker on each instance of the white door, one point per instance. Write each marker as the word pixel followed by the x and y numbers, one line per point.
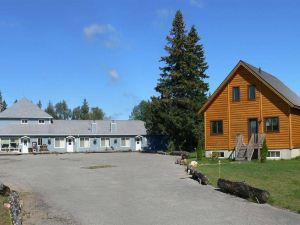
pixel 70 145
pixel 138 144
pixel 25 146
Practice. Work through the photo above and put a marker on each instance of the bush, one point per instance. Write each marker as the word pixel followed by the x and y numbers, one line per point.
pixel 264 152
pixel 171 147
pixel 199 152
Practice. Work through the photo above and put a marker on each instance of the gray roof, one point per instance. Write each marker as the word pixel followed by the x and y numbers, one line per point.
pixel 75 127
pixel 24 109
pixel 278 85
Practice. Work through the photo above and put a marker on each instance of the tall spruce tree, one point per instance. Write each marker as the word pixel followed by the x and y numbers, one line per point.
pixel 181 87
pixel 51 110
pixel 85 109
pixel 39 104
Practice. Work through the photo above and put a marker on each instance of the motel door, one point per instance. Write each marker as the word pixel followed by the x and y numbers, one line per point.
pixel 253 128
pixel 70 144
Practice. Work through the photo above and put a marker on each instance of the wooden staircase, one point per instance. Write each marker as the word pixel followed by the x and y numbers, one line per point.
pixel 245 152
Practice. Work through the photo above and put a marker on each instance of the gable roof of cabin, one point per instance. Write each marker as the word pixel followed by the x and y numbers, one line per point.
pixel 76 127
pixel 24 109
pixel 277 86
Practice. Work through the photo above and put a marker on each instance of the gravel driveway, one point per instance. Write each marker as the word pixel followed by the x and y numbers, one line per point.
pixel 125 189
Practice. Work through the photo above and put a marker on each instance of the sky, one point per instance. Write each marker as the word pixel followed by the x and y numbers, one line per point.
pixel 108 51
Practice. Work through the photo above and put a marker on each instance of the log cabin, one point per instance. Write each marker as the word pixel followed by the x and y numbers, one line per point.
pixel 252 103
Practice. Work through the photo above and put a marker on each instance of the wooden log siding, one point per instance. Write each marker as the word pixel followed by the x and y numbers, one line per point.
pixel 235 115
pixel 295 118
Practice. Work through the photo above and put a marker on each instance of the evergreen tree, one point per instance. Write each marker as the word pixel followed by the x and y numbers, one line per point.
pixel 51 110
pixel 181 87
pixel 76 113
pixel 16 101
pixel 4 105
pixel 39 104
pixel 62 111
pixel 85 109
pixel 141 111
pixel 1 103
pixel 264 152
pixel 96 114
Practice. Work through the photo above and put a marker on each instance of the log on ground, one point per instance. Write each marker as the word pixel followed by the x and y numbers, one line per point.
pixel 244 190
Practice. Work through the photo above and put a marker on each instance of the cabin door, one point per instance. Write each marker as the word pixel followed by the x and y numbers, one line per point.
pixel 253 128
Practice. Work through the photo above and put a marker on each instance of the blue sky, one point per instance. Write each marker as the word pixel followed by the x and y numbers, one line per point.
pixel 109 51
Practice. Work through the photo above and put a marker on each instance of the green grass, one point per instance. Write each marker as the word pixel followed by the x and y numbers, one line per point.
pixel 4 213
pixel 280 178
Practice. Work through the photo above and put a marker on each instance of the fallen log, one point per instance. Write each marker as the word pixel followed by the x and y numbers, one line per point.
pixel 183 154
pixel 4 190
pixel 244 190
pixel 196 175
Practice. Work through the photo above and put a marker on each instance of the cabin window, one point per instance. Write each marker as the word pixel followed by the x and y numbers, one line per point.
pixel 84 142
pixel 41 121
pixel 216 127
pixel 24 121
pixel 272 124
pixel 274 154
pixel 59 142
pixel 252 92
pixel 236 94
pixel 125 142
pixel 105 142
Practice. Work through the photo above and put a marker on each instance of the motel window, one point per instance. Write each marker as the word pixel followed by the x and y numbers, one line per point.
pixel 125 142
pixel 236 94
pixel 59 142
pixel 84 143
pixel 41 121
pixel 9 143
pixel 272 124
pixel 40 141
pixel 252 92
pixel 24 121
pixel 216 127
pixel 105 142
pixel 274 154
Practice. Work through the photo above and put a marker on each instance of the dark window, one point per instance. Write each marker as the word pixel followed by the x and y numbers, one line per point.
pixel 272 124
pixel 40 141
pixel 95 141
pixel 49 141
pixel 251 92
pixel 236 94
pixel 216 127
pixel 221 154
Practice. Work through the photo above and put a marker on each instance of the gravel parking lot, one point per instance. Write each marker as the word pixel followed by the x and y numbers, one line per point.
pixel 124 189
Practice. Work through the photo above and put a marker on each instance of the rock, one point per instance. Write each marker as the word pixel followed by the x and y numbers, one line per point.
pixel 4 190
pixel 16 213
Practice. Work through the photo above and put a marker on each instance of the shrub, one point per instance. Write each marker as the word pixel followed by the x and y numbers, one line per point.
pixel 264 152
pixel 171 147
pixel 199 152
pixel 215 155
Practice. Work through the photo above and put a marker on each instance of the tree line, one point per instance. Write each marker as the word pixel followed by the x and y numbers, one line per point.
pixel 62 111
pixel 182 90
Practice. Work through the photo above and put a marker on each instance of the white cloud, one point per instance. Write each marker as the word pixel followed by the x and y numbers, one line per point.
pixel 196 3
pixel 98 29
pixel 113 75
pixel 105 33
pixel 164 13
